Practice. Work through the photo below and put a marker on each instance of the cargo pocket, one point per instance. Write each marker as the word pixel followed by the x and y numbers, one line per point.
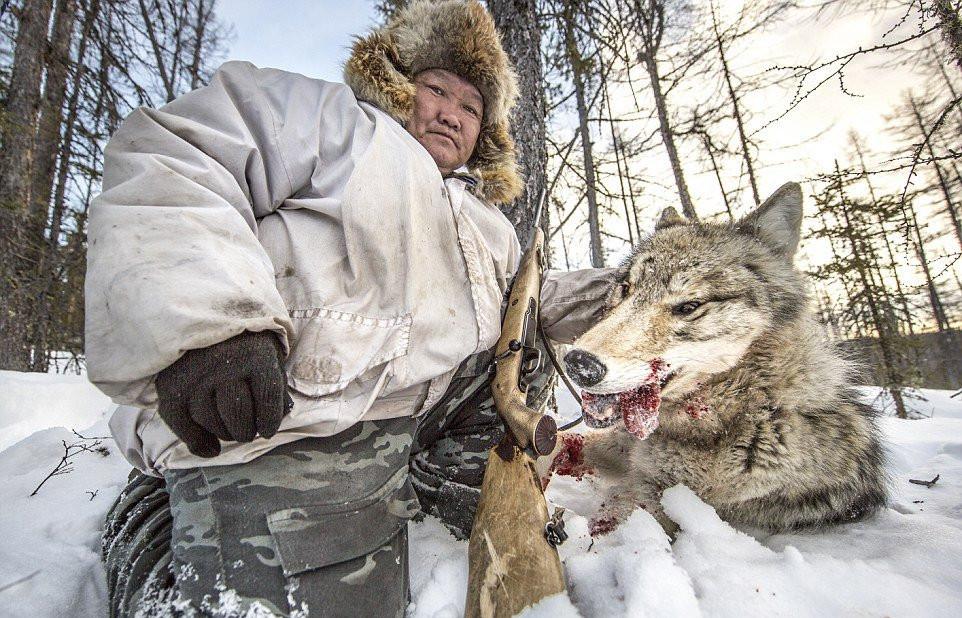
pixel 333 348
pixel 348 558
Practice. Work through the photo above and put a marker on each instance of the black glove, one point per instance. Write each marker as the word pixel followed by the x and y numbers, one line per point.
pixel 232 390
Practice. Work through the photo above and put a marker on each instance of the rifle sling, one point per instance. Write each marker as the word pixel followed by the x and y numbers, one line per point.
pixel 564 378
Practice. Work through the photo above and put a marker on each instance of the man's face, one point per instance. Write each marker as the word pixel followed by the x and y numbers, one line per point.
pixel 446 118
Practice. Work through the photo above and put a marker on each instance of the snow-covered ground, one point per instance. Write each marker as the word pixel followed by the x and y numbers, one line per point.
pixel 905 561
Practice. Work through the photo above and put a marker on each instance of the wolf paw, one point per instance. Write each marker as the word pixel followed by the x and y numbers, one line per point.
pixel 612 513
pixel 619 507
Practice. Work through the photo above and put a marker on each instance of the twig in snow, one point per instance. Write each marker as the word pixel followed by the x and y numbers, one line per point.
pixel 84 445
pixel 926 483
pixel 93 494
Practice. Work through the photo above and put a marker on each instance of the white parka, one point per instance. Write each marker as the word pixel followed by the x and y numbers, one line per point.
pixel 271 201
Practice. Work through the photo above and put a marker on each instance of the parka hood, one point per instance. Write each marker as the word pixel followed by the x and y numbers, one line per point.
pixel 458 36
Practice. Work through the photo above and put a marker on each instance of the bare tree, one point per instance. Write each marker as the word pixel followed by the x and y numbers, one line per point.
pixel 577 64
pixel 79 67
pixel 45 151
pixel 855 228
pixel 951 209
pixel 20 111
pixel 737 112
pixel 652 20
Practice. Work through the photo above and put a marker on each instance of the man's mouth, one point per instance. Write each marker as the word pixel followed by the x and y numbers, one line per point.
pixel 637 407
pixel 446 136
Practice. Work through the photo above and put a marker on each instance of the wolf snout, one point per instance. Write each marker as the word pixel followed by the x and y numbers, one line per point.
pixel 584 368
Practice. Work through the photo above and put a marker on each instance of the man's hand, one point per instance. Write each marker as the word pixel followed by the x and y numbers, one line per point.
pixel 232 390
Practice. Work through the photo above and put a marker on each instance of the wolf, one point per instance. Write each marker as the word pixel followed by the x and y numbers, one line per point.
pixel 708 368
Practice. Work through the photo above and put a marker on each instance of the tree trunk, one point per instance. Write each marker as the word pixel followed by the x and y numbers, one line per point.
pixel 649 22
pixel 200 27
pixel 621 177
pixel 836 257
pixel 577 76
pixel 667 135
pixel 903 299
pixel 736 111
pixel 517 20
pixel 950 208
pixel 46 147
pixel 938 310
pixel 948 84
pixel 18 129
pixel 166 78
pixel 70 122
pixel 51 116
pixel 721 185
pixel 935 301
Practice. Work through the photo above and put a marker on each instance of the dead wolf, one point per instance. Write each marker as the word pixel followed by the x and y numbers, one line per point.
pixel 711 357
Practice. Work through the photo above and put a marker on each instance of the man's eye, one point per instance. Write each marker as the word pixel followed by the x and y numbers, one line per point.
pixel 472 111
pixel 686 308
pixel 436 90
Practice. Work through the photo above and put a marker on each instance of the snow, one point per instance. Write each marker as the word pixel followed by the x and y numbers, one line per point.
pixel 905 561
pixel 33 401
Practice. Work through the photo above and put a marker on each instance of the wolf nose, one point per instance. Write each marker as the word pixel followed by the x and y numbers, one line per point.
pixel 584 368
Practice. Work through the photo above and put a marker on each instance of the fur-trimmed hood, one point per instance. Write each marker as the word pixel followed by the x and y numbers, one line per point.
pixel 458 36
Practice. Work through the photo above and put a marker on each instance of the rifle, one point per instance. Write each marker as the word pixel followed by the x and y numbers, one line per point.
pixel 512 560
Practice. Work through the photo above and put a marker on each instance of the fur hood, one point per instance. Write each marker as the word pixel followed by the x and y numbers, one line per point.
pixel 458 36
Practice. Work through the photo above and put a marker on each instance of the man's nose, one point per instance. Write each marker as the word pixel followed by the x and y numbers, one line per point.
pixel 584 368
pixel 447 116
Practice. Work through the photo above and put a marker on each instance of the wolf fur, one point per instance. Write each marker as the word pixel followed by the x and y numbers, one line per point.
pixel 782 441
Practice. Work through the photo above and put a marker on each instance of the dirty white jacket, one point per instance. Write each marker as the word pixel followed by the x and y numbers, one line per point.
pixel 270 201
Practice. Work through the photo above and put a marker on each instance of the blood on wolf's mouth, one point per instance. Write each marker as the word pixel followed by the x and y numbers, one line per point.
pixel 637 407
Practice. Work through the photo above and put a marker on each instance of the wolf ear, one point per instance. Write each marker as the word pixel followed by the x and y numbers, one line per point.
pixel 669 218
pixel 778 221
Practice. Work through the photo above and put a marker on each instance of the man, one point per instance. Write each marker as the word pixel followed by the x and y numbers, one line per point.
pixel 291 286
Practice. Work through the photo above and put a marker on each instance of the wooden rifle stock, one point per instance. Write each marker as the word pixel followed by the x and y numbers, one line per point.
pixel 511 564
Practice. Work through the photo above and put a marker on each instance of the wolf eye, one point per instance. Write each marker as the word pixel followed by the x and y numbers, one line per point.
pixel 686 308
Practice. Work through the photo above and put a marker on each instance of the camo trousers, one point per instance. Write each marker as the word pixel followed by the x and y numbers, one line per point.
pixel 313 527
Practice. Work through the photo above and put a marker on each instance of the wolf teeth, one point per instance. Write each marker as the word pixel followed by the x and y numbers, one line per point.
pixel 600 410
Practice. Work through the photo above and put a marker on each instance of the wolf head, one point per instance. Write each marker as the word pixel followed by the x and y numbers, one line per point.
pixel 692 299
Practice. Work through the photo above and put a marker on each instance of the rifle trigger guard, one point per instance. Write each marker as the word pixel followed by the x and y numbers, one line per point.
pixel 531 366
pixel 554 529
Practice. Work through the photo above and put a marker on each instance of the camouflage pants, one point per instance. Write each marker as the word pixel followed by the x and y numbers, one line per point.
pixel 314 527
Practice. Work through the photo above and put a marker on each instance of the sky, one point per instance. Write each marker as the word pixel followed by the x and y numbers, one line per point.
pixel 305 36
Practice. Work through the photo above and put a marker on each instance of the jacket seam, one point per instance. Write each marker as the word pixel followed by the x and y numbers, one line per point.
pixel 346 316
